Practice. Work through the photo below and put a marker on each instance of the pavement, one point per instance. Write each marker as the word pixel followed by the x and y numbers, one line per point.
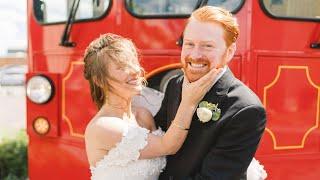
pixel 12 110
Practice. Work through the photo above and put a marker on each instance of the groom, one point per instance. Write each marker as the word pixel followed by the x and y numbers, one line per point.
pixel 223 147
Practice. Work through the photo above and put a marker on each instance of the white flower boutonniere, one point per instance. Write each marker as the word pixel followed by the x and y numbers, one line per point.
pixel 208 111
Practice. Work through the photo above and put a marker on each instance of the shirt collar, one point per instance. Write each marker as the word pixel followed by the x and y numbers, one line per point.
pixel 224 69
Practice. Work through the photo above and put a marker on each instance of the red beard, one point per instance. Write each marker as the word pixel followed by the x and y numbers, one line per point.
pixel 192 75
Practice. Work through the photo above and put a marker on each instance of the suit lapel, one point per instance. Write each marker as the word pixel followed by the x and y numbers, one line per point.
pixel 219 91
pixel 175 99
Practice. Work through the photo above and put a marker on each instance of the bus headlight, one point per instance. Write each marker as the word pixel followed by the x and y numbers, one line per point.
pixel 39 89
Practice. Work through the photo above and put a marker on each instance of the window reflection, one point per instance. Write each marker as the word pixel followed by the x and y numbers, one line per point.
pixel 174 7
pixel 309 9
pixel 52 11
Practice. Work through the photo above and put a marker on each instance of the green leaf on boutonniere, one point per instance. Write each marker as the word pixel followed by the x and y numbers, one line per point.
pixel 216 114
pixel 211 106
pixel 203 104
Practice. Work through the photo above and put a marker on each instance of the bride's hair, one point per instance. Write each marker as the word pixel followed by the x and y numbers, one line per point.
pixel 108 47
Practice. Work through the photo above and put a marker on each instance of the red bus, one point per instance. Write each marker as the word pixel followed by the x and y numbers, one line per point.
pixel 278 56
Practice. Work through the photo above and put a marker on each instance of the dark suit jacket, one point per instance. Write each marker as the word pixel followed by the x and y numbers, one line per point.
pixel 222 149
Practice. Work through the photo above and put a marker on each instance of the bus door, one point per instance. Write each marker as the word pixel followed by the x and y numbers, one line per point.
pixel 286 46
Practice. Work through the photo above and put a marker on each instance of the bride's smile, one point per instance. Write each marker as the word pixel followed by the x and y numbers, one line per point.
pixel 125 81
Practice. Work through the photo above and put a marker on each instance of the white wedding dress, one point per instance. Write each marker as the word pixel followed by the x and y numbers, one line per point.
pixel 122 162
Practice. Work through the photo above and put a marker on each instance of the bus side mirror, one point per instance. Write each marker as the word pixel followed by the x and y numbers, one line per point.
pixel 39 7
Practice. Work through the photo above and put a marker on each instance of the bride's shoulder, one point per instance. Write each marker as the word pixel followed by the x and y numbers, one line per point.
pixel 105 130
pixel 144 118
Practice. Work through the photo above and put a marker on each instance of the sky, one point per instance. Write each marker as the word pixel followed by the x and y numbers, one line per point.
pixel 13 25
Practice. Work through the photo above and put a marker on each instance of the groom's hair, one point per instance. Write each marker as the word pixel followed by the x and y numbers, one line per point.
pixel 221 16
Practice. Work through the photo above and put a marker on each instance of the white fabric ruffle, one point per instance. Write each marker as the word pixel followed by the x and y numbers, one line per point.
pixel 256 171
pixel 122 161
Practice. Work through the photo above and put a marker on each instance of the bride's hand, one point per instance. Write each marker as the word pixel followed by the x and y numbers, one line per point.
pixel 193 92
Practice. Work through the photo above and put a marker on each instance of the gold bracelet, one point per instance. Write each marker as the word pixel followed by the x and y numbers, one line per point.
pixel 179 126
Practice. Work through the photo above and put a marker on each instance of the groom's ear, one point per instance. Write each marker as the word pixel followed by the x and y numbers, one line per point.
pixel 230 52
pixel 228 55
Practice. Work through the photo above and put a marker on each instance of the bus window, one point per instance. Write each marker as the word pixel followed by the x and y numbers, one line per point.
pixel 292 9
pixel 57 11
pixel 174 8
pixel 231 5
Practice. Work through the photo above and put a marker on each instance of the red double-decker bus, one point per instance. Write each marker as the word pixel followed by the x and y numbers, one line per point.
pixel 278 56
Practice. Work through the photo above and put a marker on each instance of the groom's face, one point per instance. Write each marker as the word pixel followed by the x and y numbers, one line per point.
pixel 204 48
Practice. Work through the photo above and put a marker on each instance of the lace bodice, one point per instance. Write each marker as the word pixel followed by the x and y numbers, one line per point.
pixel 122 162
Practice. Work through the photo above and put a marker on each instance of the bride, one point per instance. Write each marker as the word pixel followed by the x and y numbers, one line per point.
pixel 122 141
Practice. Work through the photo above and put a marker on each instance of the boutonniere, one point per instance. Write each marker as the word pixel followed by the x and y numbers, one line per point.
pixel 208 111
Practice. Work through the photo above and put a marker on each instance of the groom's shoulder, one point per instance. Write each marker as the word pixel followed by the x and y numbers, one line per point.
pixel 242 95
pixel 175 82
pixel 245 106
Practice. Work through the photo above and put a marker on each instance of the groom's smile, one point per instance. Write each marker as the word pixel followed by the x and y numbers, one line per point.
pixel 196 68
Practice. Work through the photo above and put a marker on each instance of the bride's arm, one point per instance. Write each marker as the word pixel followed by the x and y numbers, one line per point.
pixel 173 139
